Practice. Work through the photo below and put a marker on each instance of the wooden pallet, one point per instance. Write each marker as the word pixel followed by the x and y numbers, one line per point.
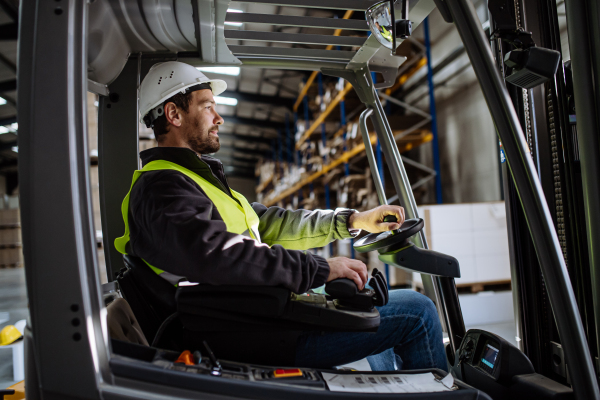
pixel 475 287
pixel 10 245
pixel 11 266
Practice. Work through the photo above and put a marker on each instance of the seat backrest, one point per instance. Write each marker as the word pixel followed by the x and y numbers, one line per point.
pixel 151 298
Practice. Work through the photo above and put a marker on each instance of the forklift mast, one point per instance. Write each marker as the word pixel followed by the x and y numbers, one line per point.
pixel 549 122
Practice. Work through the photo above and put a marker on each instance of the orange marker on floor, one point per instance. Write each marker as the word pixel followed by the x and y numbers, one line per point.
pixel 186 358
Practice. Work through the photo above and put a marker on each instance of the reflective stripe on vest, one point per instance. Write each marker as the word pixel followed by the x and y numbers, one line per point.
pixel 239 218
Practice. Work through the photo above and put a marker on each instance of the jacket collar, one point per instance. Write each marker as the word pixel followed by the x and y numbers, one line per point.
pixel 207 167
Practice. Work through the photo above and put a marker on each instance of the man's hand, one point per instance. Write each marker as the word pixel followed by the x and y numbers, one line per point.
pixel 342 267
pixel 372 220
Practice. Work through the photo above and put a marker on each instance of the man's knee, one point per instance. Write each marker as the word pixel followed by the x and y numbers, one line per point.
pixel 410 301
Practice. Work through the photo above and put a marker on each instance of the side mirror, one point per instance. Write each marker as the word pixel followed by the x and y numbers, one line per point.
pixel 381 18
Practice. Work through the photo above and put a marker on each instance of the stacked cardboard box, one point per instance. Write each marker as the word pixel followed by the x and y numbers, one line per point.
pixel 276 176
pixel 11 249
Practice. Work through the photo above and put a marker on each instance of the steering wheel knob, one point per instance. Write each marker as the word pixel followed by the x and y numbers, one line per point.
pixel 390 218
pixel 389 240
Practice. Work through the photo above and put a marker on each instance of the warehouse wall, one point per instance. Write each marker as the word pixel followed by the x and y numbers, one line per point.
pixel 469 153
pixel 468 148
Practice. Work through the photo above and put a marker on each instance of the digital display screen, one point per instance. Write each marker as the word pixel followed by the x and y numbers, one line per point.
pixel 489 356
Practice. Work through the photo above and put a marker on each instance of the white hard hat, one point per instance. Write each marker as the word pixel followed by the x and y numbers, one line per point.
pixel 165 80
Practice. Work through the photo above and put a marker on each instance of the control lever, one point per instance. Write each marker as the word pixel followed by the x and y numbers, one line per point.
pixel 378 283
pixel 216 369
pixel 347 296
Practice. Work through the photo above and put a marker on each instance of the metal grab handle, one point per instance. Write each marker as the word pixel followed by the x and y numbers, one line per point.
pixel 362 123
pixel 441 290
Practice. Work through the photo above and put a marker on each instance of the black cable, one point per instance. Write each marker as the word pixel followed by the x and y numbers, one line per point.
pixel 163 327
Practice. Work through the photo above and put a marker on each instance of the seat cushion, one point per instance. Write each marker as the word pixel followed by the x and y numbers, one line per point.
pixel 122 324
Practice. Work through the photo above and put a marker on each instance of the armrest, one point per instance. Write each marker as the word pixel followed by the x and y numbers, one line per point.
pixel 259 301
pixel 232 306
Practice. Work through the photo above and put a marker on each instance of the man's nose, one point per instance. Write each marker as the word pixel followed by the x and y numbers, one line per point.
pixel 218 119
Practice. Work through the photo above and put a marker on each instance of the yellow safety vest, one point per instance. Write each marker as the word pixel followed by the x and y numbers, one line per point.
pixel 239 217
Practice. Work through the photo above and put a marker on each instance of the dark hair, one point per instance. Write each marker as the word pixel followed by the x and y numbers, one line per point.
pixel 182 101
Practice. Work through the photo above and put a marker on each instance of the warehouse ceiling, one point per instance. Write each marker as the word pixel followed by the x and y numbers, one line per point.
pixel 264 97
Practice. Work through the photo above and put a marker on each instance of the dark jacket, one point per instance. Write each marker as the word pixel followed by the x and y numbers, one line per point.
pixel 175 227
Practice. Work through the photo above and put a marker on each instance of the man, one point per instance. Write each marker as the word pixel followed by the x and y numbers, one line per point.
pixel 187 224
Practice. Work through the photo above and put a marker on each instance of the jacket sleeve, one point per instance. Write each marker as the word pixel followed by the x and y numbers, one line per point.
pixel 175 227
pixel 302 229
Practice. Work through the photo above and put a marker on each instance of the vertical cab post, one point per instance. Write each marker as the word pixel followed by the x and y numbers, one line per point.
pixel 117 156
pixel 71 357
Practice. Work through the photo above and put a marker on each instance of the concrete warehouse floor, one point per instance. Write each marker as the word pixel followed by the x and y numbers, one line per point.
pixel 13 307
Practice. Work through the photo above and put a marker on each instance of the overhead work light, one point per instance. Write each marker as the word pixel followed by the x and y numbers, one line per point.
pixel 233 71
pixel 381 18
pixel 227 101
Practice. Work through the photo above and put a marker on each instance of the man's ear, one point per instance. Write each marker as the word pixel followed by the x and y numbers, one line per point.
pixel 172 114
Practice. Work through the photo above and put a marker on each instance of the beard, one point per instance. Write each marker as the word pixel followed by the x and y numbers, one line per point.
pixel 201 141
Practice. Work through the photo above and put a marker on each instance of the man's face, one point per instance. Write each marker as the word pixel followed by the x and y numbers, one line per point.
pixel 201 124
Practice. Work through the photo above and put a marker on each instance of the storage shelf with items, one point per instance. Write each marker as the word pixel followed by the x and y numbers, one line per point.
pixel 279 193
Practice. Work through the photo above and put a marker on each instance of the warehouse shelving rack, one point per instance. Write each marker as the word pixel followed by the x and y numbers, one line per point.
pixel 424 137
pixel 408 139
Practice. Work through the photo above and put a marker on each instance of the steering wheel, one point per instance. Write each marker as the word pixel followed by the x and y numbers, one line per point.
pixel 389 240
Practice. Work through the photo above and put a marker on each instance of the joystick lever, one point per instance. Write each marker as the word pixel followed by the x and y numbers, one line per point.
pixel 346 294
pixel 378 283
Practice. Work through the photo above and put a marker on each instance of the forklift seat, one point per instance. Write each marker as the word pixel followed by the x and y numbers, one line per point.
pixel 122 324
pixel 253 324
pixel 151 298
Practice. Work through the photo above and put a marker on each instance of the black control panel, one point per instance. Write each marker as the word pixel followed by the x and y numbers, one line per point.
pixel 491 364
pixel 483 352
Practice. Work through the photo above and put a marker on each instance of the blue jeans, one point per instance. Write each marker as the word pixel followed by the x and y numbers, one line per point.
pixel 409 337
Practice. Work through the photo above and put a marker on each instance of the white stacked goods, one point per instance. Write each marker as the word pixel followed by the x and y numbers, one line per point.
pixel 475 234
